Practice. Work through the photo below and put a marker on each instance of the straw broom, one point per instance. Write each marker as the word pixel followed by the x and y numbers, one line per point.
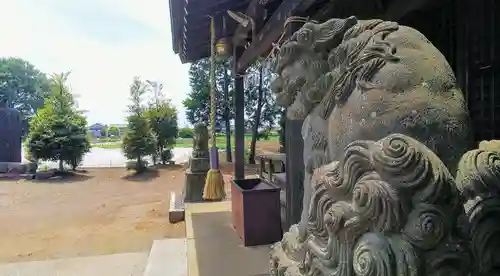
pixel 214 185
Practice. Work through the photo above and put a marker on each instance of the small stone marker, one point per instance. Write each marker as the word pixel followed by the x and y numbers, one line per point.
pixel 176 211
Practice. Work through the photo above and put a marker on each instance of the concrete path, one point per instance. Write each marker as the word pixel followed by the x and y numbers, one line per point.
pixel 127 264
pixel 214 248
pixel 106 158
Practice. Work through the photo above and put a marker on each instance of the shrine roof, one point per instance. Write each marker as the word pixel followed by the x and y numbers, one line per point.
pixel 190 25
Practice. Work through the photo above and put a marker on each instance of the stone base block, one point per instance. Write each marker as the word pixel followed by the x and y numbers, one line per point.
pixel 44 175
pixel 18 167
pixel 193 186
pixel 199 164
pixel 176 210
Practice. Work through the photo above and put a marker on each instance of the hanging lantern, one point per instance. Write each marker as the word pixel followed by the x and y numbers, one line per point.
pixel 223 48
pixel 223 44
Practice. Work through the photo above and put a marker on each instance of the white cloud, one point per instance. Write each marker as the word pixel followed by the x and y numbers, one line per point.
pixel 101 72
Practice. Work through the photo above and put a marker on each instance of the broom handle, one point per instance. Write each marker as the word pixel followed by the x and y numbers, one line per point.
pixel 214 156
pixel 212 80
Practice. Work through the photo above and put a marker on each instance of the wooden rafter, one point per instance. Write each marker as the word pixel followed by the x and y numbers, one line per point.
pixel 255 10
pixel 194 14
pixel 184 33
pixel 272 30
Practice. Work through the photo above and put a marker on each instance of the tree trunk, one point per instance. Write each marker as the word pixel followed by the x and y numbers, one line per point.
pixel 61 165
pixel 227 119
pixel 161 155
pixel 255 131
pixel 138 165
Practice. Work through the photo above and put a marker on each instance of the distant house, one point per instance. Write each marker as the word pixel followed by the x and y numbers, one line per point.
pixel 96 129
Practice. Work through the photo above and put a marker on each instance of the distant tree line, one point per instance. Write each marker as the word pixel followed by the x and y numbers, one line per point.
pixel 58 130
pixel 261 112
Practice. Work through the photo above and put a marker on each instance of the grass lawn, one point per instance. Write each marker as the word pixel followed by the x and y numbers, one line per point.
pixel 107 146
pixel 221 141
pixel 188 142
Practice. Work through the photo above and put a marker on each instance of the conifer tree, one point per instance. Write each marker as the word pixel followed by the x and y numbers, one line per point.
pixel 139 140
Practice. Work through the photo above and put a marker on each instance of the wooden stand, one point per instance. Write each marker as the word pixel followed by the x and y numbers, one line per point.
pixel 271 164
pixel 256 211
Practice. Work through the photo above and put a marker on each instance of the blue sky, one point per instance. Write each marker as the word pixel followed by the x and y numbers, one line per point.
pixel 104 43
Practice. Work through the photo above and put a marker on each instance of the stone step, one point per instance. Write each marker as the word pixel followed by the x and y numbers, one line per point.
pixel 126 264
pixel 168 257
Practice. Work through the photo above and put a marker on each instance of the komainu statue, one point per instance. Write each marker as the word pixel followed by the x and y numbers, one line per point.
pixel 385 131
pixel 200 140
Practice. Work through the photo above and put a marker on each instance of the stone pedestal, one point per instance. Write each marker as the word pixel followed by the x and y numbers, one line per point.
pixel 195 179
pixel 17 167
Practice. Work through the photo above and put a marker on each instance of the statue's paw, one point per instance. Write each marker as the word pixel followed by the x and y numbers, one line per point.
pixel 284 268
pixel 490 145
pixel 287 253
pixel 292 245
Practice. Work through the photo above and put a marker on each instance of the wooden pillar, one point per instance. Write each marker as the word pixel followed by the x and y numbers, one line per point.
pixel 239 118
pixel 294 147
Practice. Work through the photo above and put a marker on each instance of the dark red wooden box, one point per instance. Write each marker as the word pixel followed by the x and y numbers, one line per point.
pixel 256 211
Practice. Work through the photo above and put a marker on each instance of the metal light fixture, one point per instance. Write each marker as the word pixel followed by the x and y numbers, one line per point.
pixel 223 48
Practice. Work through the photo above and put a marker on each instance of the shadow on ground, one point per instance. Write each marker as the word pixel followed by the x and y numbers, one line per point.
pixel 214 232
pixel 146 176
pixel 170 166
pixel 66 177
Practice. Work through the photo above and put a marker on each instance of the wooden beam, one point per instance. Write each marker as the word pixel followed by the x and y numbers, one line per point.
pixel 204 7
pixel 255 10
pixel 399 8
pixel 272 30
pixel 239 119
pixel 322 14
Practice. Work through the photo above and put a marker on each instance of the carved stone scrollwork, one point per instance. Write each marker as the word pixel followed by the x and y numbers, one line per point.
pixel 382 210
pixel 478 180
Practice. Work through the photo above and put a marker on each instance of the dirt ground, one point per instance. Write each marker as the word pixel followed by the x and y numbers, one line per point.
pixel 97 212
pixel 100 212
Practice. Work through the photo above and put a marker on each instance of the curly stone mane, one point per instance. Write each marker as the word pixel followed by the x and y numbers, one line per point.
pixel 332 64
pixel 358 63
